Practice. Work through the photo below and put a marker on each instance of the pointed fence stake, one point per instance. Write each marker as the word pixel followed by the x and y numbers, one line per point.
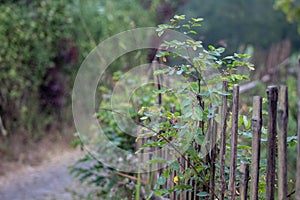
pixel 224 115
pixel 282 142
pixel 272 93
pixel 233 143
pixel 256 139
pixel 244 169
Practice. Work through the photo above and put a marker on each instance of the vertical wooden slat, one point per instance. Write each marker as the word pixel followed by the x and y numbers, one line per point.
pixel 191 195
pixel 298 145
pixel 209 131
pixel 201 126
pixel 256 129
pixel 183 165
pixel 244 169
pixel 224 115
pixel 213 156
pixel 282 142
pixel 272 93
pixel 233 143
pixel 156 150
pixel 172 175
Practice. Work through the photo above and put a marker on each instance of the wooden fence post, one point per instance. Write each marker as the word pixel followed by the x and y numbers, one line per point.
pixel 244 169
pixel 272 93
pixel 170 182
pixel 224 115
pixel 213 156
pixel 282 142
pixel 298 145
pixel 233 143
pixel 256 137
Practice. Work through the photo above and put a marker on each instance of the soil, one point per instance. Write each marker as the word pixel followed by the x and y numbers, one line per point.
pixel 40 171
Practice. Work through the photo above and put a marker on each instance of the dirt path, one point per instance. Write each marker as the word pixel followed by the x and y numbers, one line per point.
pixel 49 181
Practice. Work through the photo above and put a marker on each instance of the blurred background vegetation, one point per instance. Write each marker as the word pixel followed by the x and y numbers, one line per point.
pixel 43 43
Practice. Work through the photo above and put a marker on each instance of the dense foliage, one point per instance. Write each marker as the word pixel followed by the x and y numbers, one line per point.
pixel 291 9
pixel 30 35
pixel 37 36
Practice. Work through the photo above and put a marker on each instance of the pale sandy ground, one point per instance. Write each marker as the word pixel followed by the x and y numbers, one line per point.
pixel 48 181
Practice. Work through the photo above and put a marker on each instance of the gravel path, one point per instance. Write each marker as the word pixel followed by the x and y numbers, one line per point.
pixel 49 181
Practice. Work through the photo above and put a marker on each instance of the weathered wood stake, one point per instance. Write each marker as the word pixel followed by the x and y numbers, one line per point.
pixel 282 142
pixel 272 93
pixel 233 143
pixel 224 113
pixel 213 155
pixel 256 137
pixel 244 169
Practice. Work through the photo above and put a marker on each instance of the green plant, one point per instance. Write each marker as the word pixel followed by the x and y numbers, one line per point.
pixel 182 124
pixel 195 102
pixel 191 122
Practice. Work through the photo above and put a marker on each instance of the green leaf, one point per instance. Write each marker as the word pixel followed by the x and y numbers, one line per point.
pixel 194 86
pixel 162 53
pixel 179 17
pixel 247 122
pixel 161 180
pixel 187 187
pixel 193 32
pixel 162 91
pixel 243 147
pixel 160 33
pixel 205 94
pixel 211 113
pixel 197 113
pixel 150 195
pixel 241 55
pixel 179 72
pixel 251 67
pixel 247 134
pixel 187 111
pixel 196 25
pixel 175 166
pixel 164 59
pixel 144 118
pixel 220 50
pixel 228 58
pixel 186 26
pixel 161 192
pixel 212 48
pixel 167 173
pixel 197 19
pixel 202 194
pixel 199 139
pixel 291 138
